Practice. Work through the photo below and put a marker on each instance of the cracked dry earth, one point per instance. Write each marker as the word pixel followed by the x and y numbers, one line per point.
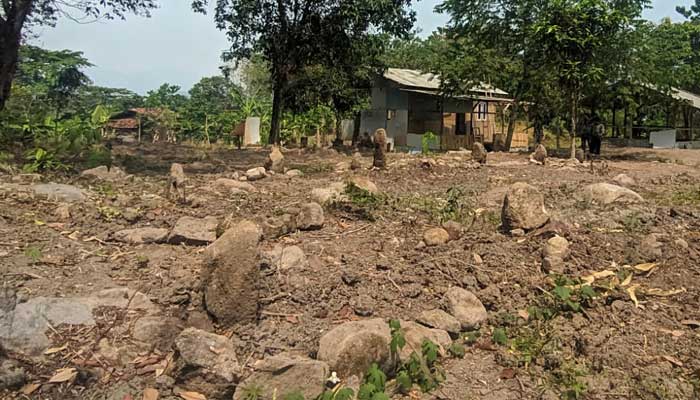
pixel 90 312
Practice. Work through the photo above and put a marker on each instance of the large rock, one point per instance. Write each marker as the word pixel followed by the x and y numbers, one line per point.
pixel 104 174
pixel 439 319
pixel 156 331
pixel 255 174
pixel 230 274
pixel 465 307
pixel 293 257
pixel 364 184
pixel 523 208
pixel 436 237
pixel 415 334
pixel 194 231
pixel 281 375
pixel 212 352
pixel 141 235
pixel 277 226
pixel 23 326
pixel 351 348
pixel 540 154
pixel 606 193
pixel 479 153
pixel 275 161
pixel 59 192
pixel 310 217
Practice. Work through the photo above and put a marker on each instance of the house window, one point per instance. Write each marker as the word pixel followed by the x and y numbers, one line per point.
pixel 482 111
pixel 460 124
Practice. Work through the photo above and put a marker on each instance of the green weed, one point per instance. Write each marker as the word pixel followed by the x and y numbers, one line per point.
pixel 33 253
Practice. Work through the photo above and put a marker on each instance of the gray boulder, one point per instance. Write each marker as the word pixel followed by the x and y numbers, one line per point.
pixel 281 375
pixel 103 173
pixel 624 180
pixel 606 193
pixel 415 334
pixel 194 231
pixel 439 319
pixel 310 217
pixel 351 348
pixel 230 274
pixel 465 307
pixel 523 208
pixel 255 174
pixel 59 192
pixel 211 352
pixel 364 184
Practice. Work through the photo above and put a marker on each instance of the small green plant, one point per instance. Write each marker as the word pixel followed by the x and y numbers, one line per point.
pixel 252 392
pixel 33 253
pixel 373 386
pixel 457 350
pixel 687 196
pixel 293 396
pixel 361 197
pixel 471 338
pixel 633 222
pixel 427 139
pixel 41 160
pixel 98 155
pixel 571 295
pixel 340 394
pixel 108 213
pixel 500 336
pixel 567 379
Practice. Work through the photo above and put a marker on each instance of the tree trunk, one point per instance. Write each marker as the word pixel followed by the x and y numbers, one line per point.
pixel 338 142
pixel 277 105
pixel 574 117
pixel 511 124
pixel 356 129
pixel 10 38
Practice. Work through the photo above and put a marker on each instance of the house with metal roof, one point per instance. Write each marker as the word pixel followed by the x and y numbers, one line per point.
pixel 409 103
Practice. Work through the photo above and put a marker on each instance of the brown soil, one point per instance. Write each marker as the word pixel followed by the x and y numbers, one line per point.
pixel 611 349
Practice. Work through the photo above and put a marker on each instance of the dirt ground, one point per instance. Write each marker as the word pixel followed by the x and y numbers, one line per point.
pixel 609 349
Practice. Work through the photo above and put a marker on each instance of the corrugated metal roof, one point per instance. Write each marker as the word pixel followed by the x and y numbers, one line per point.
pixel 417 79
pixel 683 95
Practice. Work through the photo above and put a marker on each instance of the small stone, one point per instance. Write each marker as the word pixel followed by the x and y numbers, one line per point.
pixel 281 375
pixel 580 155
pixel 156 331
pixel 682 243
pixel 465 307
pixel 104 174
pixel 556 247
pixel 517 232
pixel 651 248
pixel 477 259
pixel 62 212
pixel 624 180
pixel 364 184
pixel 454 229
pixel 416 334
pixel 293 257
pixel 310 217
pixel 351 348
pixel 436 237
pixel 194 231
pixel 350 277
pixel 234 186
pixel 200 320
pixel 275 161
pixel 479 153
pixel 141 235
pixel 12 376
pixel 363 306
pixel 294 172
pixel 206 350
pixel 553 265
pixel 335 192
pixel 523 208
pixel 439 319
pixel 255 174
pixel 165 382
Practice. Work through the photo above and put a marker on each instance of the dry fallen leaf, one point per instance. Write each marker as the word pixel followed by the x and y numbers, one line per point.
pixel 627 280
pixel 54 350
pixel 633 295
pixel 524 314
pixel 63 375
pixel 150 394
pixel 192 396
pixel 507 373
pixel 646 267
pixel 663 293
pixel 29 388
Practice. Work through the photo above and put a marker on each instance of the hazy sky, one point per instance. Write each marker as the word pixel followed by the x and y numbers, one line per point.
pixel 178 46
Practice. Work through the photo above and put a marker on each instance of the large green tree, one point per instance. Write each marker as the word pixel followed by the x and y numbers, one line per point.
pixel 294 34
pixel 17 15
